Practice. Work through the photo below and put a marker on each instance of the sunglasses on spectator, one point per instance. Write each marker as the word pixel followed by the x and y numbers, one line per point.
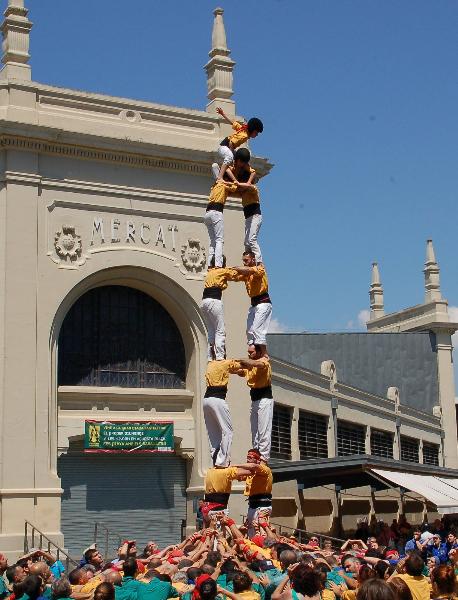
pixel 313 539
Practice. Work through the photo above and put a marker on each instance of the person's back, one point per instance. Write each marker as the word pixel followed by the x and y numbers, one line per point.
pixel 157 589
pixel 130 585
pixel 418 583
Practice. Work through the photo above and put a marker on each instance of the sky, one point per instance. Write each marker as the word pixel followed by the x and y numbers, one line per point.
pixel 359 100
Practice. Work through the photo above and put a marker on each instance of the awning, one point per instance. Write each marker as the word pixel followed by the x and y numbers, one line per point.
pixel 439 485
pixel 441 491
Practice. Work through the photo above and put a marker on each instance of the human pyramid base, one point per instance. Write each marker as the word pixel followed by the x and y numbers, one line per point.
pixel 236 178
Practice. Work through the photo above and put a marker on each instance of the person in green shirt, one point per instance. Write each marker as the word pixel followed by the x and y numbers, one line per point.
pixel 130 569
pixel 160 588
pixel 120 592
pixel 3 566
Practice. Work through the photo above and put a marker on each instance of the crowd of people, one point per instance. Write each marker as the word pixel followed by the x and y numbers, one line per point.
pixel 222 562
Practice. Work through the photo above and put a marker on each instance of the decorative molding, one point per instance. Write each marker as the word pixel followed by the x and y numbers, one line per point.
pixel 193 256
pixel 68 244
pixel 96 154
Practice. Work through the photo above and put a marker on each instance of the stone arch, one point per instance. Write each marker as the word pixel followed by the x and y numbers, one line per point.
pixel 175 299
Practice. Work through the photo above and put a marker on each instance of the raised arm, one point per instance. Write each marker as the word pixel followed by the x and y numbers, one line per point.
pixel 221 112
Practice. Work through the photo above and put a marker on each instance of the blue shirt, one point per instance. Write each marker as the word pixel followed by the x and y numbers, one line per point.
pixel 57 569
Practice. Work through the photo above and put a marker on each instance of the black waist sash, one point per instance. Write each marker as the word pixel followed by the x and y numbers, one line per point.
pixel 252 209
pixel 262 298
pixel 217 498
pixel 213 292
pixel 258 393
pixel 260 500
pixel 216 391
pixel 215 206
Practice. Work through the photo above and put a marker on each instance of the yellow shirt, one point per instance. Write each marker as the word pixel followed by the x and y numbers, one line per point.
pixel 326 594
pixel 240 136
pixel 256 282
pixel 259 377
pixel 220 192
pixel 260 482
pixel 253 547
pixel 218 372
pixel 418 584
pixel 219 277
pixel 219 481
pixel 91 584
pixel 249 595
pixel 250 197
pixel 347 594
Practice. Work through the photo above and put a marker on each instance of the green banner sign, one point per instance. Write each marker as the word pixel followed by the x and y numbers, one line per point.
pixel 128 436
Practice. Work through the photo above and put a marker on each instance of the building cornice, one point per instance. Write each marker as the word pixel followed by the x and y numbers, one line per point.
pixel 107 128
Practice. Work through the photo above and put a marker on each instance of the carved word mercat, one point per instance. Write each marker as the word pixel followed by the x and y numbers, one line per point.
pixel 112 231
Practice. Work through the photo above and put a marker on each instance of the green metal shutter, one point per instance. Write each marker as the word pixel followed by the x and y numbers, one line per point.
pixel 141 497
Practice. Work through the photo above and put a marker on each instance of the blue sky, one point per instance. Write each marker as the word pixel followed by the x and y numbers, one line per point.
pixel 359 100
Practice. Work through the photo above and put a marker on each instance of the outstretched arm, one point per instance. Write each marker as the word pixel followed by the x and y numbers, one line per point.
pixel 249 363
pixel 245 270
pixel 221 112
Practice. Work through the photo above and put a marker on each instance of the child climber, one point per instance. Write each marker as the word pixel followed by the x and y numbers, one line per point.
pixel 242 133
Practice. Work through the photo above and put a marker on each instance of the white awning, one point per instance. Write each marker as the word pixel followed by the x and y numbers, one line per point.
pixel 441 491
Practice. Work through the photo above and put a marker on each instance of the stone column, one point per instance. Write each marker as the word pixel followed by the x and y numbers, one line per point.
pixel 29 486
pixel 367 440
pixel 447 396
pixel 295 452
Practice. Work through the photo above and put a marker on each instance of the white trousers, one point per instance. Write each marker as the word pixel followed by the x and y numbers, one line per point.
pixel 219 429
pixel 255 515
pixel 213 313
pixel 214 221
pixel 261 425
pixel 252 227
pixel 257 324
pixel 225 155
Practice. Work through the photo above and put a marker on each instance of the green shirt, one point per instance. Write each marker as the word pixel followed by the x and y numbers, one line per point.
pixel 125 593
pixel 157 590
pixel 4 592
pixel 229 586
pixel 47 592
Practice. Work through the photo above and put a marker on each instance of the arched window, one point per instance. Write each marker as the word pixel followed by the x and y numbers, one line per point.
pixel 118 336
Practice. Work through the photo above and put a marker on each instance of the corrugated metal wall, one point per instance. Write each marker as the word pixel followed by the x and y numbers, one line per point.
pixel 141 497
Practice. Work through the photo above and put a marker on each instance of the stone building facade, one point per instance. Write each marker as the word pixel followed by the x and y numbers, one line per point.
pixel 101 205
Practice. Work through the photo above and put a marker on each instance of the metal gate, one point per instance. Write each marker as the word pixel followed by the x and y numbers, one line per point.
pixel 142 497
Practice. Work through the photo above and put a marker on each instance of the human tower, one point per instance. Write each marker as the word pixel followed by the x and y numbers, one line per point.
pixel 236 178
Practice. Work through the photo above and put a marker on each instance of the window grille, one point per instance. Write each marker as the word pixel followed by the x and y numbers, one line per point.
pixel 350 439
pixel 382 443
pixel 281 432
pixel 430 454
pixel 119 336
pixel 313 438
pixel 409 449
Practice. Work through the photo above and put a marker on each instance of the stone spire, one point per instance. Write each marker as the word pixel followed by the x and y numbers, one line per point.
pixel 219 69
pixel 16 33
pixel 431 271
pixel 376 294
